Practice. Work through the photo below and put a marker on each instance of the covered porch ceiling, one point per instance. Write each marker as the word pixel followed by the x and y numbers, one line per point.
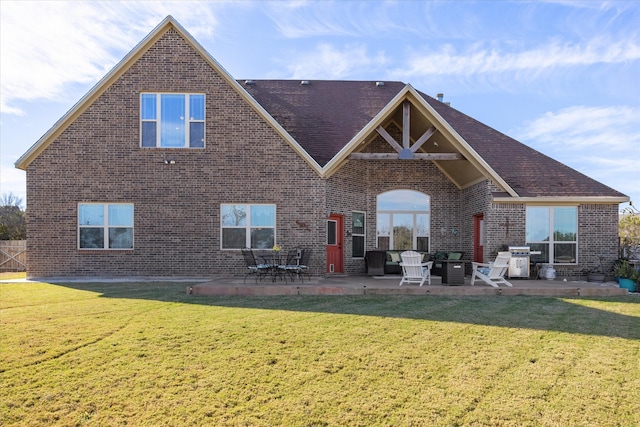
pixel 424 138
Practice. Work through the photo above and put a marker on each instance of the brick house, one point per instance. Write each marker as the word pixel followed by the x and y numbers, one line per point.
pixel 169 166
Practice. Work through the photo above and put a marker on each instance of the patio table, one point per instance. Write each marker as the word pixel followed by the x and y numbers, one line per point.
pixel 453 272
pixel 274 261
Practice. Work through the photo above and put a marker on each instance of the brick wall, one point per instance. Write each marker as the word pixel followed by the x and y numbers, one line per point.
pixel 177 207
pixel 98 158
pixel 356 185
pixel 597 237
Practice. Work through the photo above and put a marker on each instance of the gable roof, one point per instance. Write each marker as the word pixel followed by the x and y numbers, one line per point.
pixel 325 117
pixel 167 24
pixel 529 172
pixel 326 121
pixel 322 115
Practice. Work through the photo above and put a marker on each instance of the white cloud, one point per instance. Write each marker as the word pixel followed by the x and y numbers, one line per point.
pixel 327 62
pixel 477 59
pixel 601 142
pixel 12 181
pixel 580 127
pixel 298 19
pixel 47 46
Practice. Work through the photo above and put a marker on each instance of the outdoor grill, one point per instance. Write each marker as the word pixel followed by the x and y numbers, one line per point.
pixel 519 262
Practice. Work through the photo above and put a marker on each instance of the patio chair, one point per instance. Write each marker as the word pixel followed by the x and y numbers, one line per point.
pixel 492 273
pixel 291 265
pixel 300 265
pixel 413 269
pixel 374 262
pixel 253 267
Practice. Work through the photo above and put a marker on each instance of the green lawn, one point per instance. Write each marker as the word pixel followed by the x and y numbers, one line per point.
pixel 147 354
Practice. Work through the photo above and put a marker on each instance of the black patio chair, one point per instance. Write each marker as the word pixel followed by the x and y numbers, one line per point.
pixel 298 263
pixel 290 263
pixel 258 269
pixel 374 262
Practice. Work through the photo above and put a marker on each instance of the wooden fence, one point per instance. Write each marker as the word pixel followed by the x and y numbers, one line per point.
pixel 13 255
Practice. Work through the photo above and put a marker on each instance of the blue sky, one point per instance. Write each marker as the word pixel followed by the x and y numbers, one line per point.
pixel 560 76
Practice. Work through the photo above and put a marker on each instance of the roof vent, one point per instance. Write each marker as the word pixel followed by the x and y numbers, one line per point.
pixel 304 82
pixel 440 97
pixel 379 83
pixel 249 82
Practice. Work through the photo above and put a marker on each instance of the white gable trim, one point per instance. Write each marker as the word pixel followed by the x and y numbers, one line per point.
pixel 408 92
pixel 561 200
pixel 115 73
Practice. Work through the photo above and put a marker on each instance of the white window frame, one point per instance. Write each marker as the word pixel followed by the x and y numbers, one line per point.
pixel 386 230
pixel 106 226
pixel 248 226
pixel 188 120
pixel 552 242
pixel 363 234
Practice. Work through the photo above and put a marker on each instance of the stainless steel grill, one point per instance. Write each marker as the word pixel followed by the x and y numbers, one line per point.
pixel 519 262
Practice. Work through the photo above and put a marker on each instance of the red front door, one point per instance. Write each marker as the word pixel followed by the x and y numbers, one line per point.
pixel 335 255
pixel 478 238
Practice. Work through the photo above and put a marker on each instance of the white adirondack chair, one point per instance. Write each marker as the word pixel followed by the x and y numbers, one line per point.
pixel 413 269
pixel 493 272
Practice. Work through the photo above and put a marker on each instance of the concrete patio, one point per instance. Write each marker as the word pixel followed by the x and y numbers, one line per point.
pixel 389 285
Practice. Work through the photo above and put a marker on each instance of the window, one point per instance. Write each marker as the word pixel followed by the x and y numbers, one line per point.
pixel 554 232
pixel 358 230
pixel 105 226
pixel 332 232
pixel 172 120
pixel 403 220
pixel 248 226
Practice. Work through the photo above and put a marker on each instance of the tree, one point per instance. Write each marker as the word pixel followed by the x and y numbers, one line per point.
pixel 629 228
pixel 12 221
pixel 629 233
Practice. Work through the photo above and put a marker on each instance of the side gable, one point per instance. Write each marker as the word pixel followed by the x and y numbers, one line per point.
pixel 168 24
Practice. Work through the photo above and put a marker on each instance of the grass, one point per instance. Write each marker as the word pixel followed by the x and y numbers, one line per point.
pixel 147 354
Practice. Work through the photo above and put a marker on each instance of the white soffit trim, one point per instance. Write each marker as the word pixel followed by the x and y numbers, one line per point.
pixel 463 146
pixel 560 200
pixel 96 91
pixel 249 99
pixel 408 92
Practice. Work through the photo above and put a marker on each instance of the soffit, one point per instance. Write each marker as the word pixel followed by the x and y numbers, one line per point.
pixel 444 140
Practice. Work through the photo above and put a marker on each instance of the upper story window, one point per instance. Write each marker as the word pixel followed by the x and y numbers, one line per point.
pixel 553 230
pixel 172 120
pixel 105 226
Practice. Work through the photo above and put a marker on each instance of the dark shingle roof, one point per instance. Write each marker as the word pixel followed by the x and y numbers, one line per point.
pixel 324 115
pixel 529 172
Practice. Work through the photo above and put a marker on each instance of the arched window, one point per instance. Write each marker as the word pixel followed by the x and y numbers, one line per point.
pixel 403 220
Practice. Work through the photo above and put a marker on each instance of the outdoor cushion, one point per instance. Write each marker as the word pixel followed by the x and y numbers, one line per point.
pixel 395 256
pixel 440 255
pixel 455 255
